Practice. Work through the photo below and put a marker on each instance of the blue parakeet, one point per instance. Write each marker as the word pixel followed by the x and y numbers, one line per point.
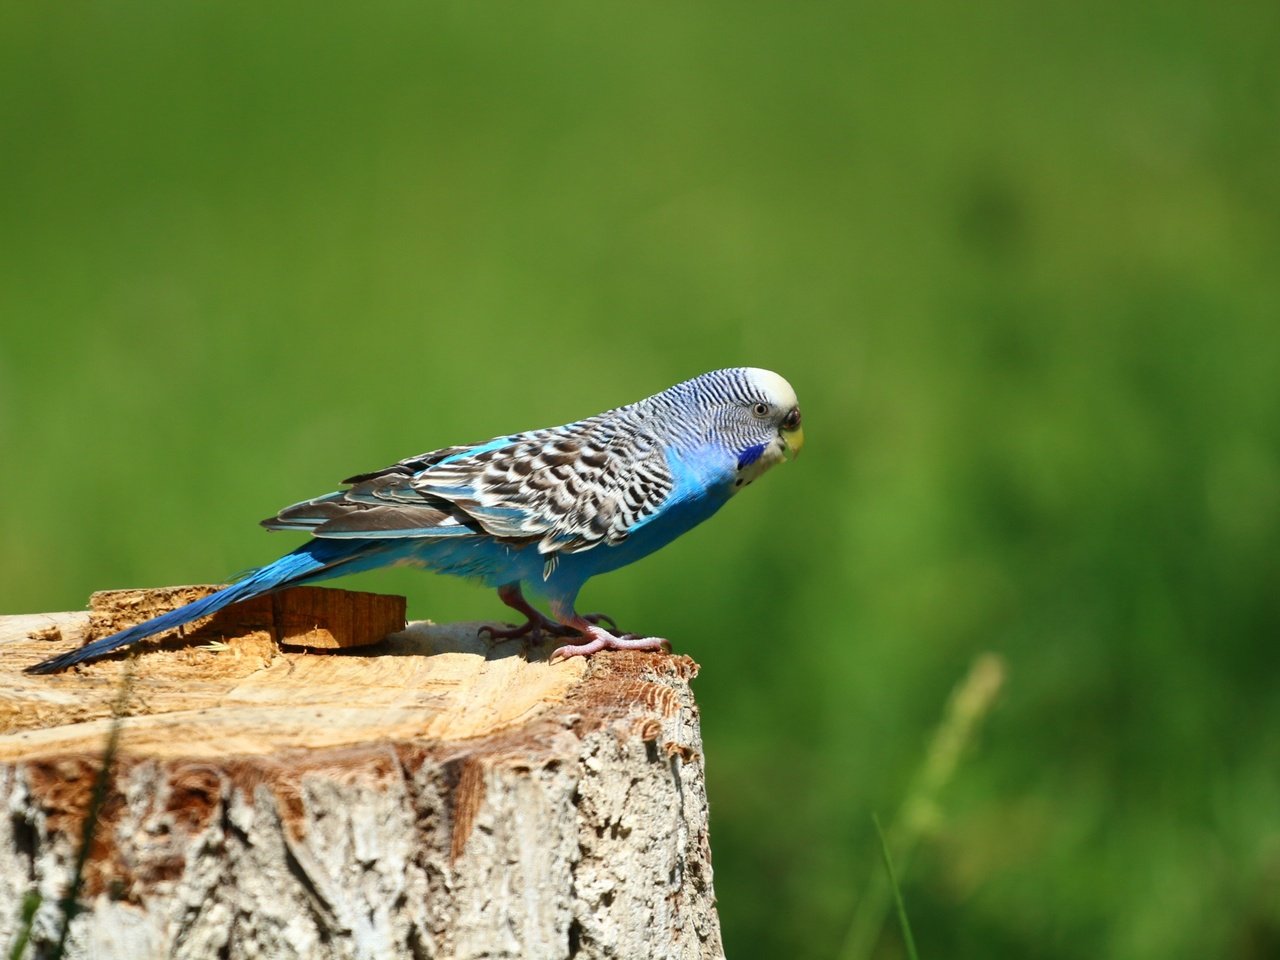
pixel 541 511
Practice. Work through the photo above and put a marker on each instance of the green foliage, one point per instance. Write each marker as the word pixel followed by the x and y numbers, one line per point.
pixel 1019 262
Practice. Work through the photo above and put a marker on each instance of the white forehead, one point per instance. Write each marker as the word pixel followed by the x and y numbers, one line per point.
pixel 773 386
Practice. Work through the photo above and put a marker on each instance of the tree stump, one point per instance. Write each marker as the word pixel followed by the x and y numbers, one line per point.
pixel 435 795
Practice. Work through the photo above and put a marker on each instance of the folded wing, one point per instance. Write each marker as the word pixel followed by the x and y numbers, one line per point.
pixel 569 488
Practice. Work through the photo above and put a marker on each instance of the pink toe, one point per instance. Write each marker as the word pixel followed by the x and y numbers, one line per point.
pixel 601 639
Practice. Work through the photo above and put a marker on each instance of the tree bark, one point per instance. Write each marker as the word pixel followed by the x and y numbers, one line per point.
pixel 434 795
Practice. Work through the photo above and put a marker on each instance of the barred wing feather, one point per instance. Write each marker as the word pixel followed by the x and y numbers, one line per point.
pixel 570 488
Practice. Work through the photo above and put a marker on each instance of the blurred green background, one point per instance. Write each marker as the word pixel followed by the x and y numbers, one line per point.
pixel 1020 261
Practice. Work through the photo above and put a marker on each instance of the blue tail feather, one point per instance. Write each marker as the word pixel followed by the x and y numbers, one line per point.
pixel 313 560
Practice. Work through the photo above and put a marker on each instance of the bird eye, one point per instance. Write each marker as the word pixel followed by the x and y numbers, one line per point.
pixel 760 409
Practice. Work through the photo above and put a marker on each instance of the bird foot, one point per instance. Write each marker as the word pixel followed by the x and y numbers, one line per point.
pixel 601 639
pixel 536 628
pixel 509 632
pixel 533 630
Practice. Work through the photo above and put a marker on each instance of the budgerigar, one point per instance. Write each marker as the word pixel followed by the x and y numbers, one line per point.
pixel 544 510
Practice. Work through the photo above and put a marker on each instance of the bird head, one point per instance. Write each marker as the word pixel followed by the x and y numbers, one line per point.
pixel 758 418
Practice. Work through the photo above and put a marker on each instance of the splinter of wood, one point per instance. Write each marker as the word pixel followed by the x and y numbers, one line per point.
pixel 312 617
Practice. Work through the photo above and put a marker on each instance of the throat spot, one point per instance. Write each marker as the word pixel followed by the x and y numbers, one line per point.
pixel 750 455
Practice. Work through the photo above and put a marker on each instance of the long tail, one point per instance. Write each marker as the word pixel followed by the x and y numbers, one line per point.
pixel 312 561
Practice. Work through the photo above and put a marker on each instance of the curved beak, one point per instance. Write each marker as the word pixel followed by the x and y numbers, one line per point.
pixel 792 441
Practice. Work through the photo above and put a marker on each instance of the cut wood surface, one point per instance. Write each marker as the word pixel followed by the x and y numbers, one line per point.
pixel 432 795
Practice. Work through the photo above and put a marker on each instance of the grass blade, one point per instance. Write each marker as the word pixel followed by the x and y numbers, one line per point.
pixel 903 922
pixel 30 904
pixel 919 813
pixel 70 903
